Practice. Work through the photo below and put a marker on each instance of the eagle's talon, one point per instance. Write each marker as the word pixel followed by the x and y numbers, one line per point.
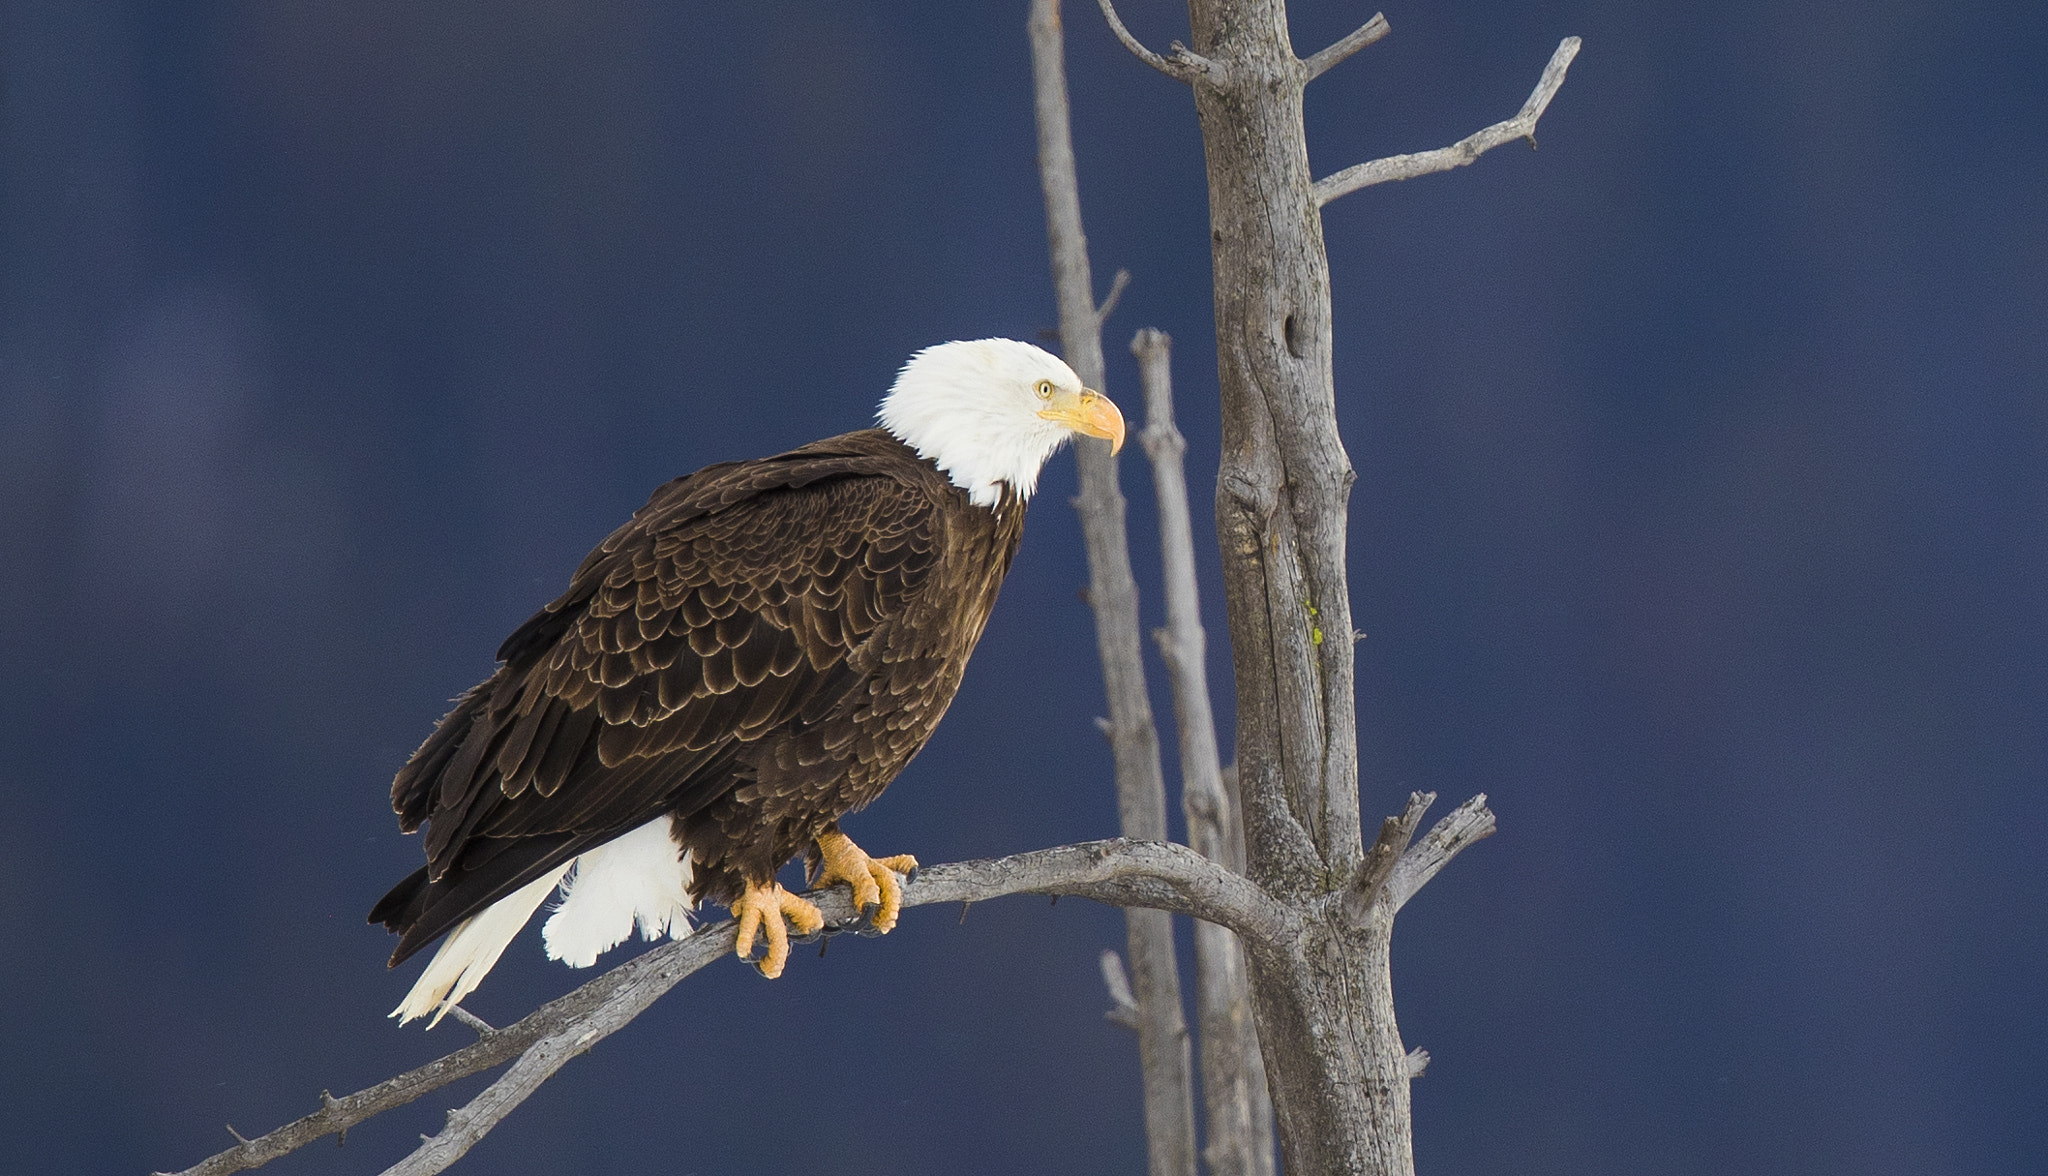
pixel 762 909
pixel 865 925
pixel 877 891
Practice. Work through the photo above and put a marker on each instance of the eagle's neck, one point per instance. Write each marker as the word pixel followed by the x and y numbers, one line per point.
pixel 980 446
pixel 989 466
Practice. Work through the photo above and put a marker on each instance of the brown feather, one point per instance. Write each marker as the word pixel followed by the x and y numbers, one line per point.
pixel 757 652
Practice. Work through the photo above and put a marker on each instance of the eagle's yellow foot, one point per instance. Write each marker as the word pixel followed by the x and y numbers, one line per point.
pixel 877 892
pixel 762 909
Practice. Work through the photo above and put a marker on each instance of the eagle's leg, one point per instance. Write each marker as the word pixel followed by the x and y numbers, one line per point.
pixel 877 892
pixel 762 908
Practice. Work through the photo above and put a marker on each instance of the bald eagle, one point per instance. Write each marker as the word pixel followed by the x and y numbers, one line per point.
pixel 757 653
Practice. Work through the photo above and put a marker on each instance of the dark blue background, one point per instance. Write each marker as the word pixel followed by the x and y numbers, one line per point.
pixel 1699 521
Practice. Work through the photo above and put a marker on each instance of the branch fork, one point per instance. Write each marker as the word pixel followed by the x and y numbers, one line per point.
pixel 1394 869
pixel 1181 63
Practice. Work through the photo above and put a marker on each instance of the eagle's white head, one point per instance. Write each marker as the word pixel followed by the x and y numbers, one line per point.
pixel 991 411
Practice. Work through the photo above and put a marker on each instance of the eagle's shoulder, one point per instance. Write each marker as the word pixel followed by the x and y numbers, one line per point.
pixel 729 605
pixel 880 482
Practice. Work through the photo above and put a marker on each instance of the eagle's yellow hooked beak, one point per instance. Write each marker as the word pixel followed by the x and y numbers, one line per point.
pixel 1088 412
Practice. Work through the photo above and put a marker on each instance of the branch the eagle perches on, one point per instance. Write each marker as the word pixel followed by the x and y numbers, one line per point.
pixel 1153 874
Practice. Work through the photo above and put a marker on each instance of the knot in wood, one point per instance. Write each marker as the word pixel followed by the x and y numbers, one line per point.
pixel 1252 493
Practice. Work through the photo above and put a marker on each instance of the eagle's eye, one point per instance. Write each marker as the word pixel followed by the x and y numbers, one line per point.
pixel 1044 389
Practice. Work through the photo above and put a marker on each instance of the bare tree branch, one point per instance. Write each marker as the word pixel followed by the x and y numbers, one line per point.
pixel 1319 63
pixel 1113 594
pixel 1464 151
pixel 1183 66
pixel 1157 875
pixel 1466 824
pixel 1239 1120
pixel 1117 872
pixel 1182 643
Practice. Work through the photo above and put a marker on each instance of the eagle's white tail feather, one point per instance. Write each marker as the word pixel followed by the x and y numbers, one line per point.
pixel 642 877
pixel 472 949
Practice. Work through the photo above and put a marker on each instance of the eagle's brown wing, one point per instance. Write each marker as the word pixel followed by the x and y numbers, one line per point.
pixel 737 603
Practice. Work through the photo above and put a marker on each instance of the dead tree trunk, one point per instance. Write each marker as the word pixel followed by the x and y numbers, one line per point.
pixel 1338 1072
pixel 1336 1065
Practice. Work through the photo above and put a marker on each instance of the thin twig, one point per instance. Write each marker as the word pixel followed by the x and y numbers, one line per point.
pixel 1119 872
pixel 1109 300
pixel 1317 64
pixel 1464 151
pixel 1123 1007
pixel 482 1027
pixel 1184 66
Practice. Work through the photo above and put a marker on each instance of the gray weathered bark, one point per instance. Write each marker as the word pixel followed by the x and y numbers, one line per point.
pixel 1238 1127
pixel 1113 594
pixel 1334 1058
pixel 1325 1012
